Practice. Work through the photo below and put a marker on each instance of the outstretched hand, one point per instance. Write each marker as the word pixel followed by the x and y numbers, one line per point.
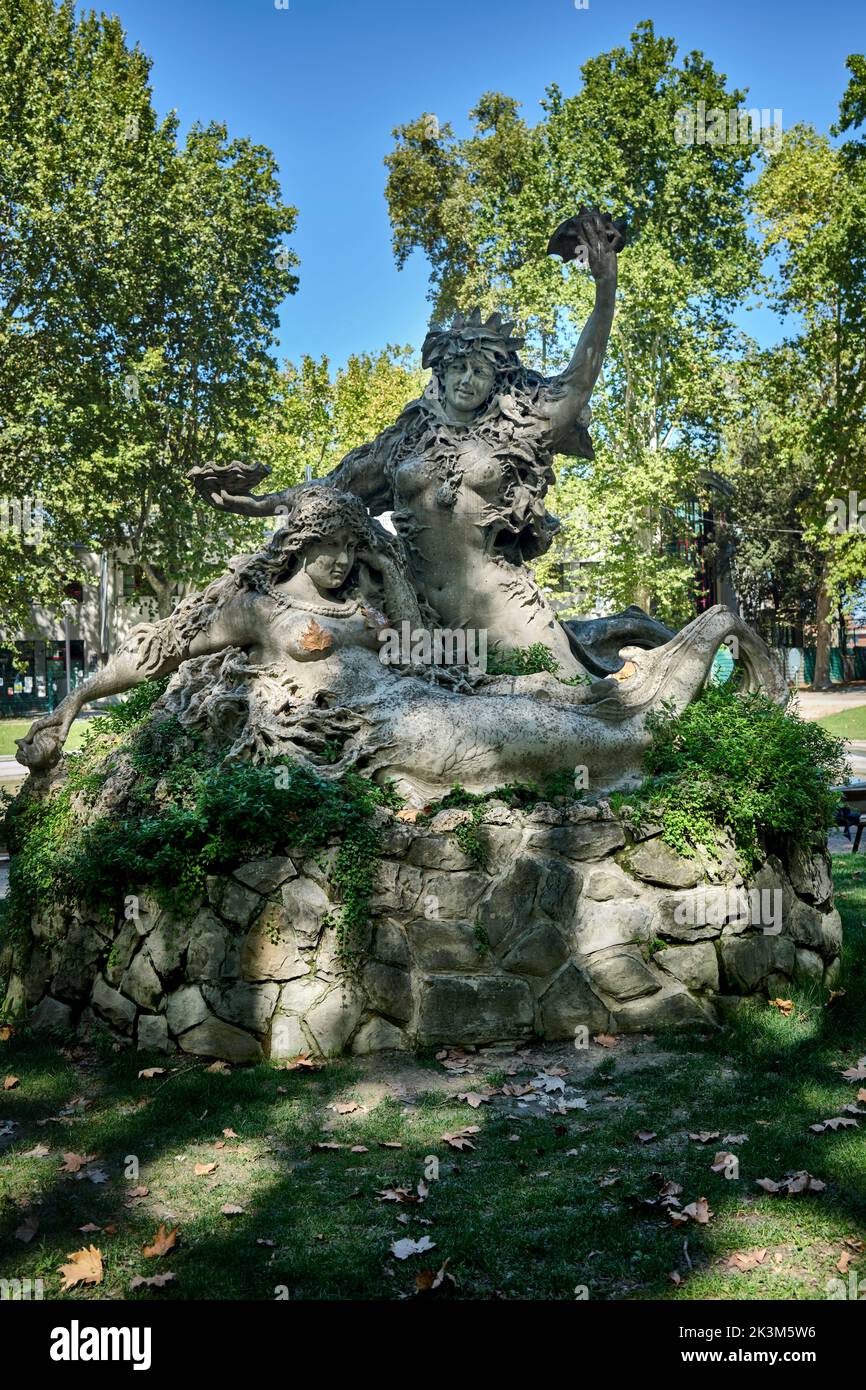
pixel 42 745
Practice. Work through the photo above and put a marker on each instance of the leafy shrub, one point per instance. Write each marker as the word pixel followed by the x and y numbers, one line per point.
pixel 187 816
pixel 738 762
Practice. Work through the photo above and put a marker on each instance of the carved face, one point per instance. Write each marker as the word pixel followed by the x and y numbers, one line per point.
pixel 328 559
pixel 468 382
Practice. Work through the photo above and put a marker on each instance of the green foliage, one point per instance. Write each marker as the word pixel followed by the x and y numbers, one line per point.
pixel 522 661
pixel 736 762
pixel 187 816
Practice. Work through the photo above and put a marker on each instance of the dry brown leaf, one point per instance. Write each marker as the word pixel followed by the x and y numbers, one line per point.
pixel 73 1163
pixel 785 1006
pixel 359 1149
pixel 40 1151
pixel 698 1211
pixel 303 1062
pixel 10 1083
pixel 219 1069
pixel 606 1039
pixel 746 1259
pixel 406 1247
pixel 390 1144
pixel 319 1148
pixel 735 1139
pixel 857 1073
pixel 408 815
pixel 843 1263
pixel 138 1192
pixel 6 1032
pixel 27 1230
pixel 162 1242
pixel 792 1184
pixel 231 1209
pixel 230 1134
pixel 473 1098
pixel 201 1170
pixel 90 1229
pixel 427 1280
pixel 721 1161
pixel 148 1073
pixel 703 1136
pixel 838 1122
pixel 84 1267
pixel 459 1139
pixel 345 1107
pixel 314 638
pixel 396 1194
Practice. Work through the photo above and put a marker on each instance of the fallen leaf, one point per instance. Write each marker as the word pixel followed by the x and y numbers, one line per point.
pixel 73 1163
pixel 698 1211
pixel 836 1123
pixel 230 1209
pixel 303 1062
pixel 406 1247
pixel 645 1136
pixel 735 1139
pixel 792 1184
pixel 396 1194
pixel 460 1137
pixel 359 1149
pixel 746 1259
pixel 162 1242
pixel 390 1144
pixel 201 1170
pixel 326 1145
pixel 230 1134
pixel 857 1073
pixel 263 1240
pixel 843 1263
pixel 473 1098
pixel 785 1006
pixel 40 1151
pixel 704 1136
pixel 408 815
pixel 345 1107
pixel 138 1192
pixel 84 1267
pixel 606 1039
pixel 27 1230
pixel 721 1161
pixel 427 1280
pixel 90 1229
pixel 219 1068
pixel 675 1277
pixel 10 1083
pixel 149 1072
pixel 6 1032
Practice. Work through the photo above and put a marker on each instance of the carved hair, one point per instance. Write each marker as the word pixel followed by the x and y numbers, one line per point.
pixel 314 513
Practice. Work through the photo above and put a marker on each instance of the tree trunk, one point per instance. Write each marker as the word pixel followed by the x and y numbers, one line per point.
pixel 821 678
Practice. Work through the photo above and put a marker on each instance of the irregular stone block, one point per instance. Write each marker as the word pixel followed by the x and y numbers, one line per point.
pixel 608 882
pixel 656 862
pixel 266 875
pixel 166 945
pixel 206 956
pixel 152 1033
pixel 185 1008
pixel 306 904
pixel 270 951
pixel 119 1012
pixel 80 953
pixel 621 974
pixel 389 990
pixel 831 934
pixel 539 951
pixel 452 895
pixel 215 1038
pixel 299 995
pixel 749 960
pixel 121 953
pixel 50 1014
pixel 808 967
pixel 611 923
pixel 389 943
pixel 286 1038
pixel 141 981
pixel 696 914
pixel 235 903
pixel 378 1035
pixel 591 840
pixel 334 1019
pixel 38 973
pixel 397 887
pixel 697 967
pixel 248 1005
pixel 568 1004
pixel 674 1008
pixel 431 851
pixel 810 875
pixel 510 903
pixel 446 946
pixel 833 973
pixel 473 1009
pixel 559 891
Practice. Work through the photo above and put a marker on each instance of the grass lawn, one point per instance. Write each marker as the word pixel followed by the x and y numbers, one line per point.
pixel 10 729
pixel 851 723
pixel 543 1203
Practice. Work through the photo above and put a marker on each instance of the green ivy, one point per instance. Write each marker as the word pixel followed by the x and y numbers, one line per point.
pixel 740 763
pixel 188 815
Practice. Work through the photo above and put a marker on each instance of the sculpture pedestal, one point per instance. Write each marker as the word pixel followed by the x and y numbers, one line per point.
pixel 569 926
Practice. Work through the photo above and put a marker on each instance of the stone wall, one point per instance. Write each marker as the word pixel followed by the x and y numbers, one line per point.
pixel 573 921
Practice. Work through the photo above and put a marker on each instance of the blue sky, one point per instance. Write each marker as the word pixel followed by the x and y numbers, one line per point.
pixel 324 82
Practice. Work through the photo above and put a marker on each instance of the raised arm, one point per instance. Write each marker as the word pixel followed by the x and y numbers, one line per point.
pixel 597 239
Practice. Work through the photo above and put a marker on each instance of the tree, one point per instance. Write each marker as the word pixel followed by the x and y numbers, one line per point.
pixel 811 199
pixel 139 288
pixel 482 210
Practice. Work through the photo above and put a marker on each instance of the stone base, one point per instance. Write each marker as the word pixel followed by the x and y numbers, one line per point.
pixel 572 923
